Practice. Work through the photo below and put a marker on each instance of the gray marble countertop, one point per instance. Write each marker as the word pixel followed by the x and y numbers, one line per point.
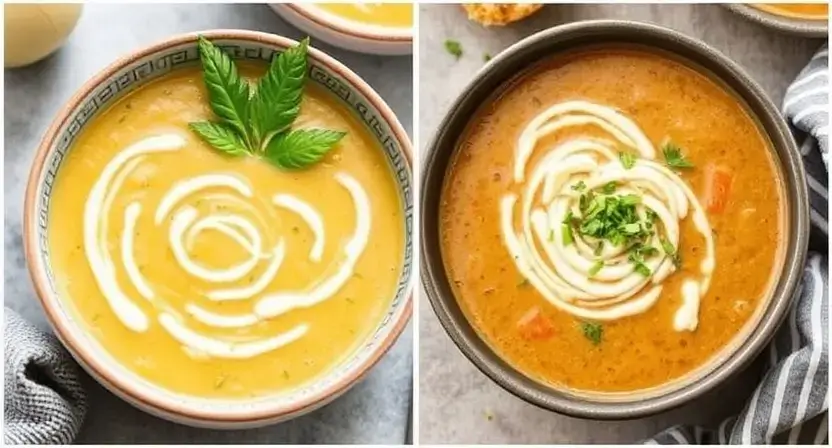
pixel 376 410
pixel 457 403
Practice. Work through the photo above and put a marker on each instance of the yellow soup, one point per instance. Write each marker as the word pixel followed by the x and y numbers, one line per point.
pixel 215 276
pixel 384 14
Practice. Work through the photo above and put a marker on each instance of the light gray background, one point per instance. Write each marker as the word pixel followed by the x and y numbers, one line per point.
pixel 458 404
pixel 376 410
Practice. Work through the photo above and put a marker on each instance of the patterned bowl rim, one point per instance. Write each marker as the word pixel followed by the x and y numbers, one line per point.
pixel 99 367
pixel 359 30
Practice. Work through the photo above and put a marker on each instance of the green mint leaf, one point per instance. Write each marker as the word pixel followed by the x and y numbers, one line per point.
pixel 276 102
pixel 227 92
pixel 454 48
pixel 580 186
pixel 300 148
pixel 592 331
pixel 223 137
pixel 627 159
pixel 673 156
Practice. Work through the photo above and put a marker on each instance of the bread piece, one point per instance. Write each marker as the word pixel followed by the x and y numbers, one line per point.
pixel 499 14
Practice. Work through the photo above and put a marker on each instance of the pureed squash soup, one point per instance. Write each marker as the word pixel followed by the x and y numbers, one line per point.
pixel 396 15
pixel 611 220
pixel 218 276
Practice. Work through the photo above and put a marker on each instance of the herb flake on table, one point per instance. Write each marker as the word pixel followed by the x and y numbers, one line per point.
pixel 255 119
pixel 454 48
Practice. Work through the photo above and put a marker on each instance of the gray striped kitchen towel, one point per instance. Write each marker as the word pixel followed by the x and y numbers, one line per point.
pixel 791 403
pixel 43 399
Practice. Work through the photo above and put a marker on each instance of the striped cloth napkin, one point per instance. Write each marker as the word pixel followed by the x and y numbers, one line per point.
pixel 791 403
pixel 43 401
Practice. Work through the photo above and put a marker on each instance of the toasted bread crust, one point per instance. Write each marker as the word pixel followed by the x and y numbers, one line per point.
pixel 499 14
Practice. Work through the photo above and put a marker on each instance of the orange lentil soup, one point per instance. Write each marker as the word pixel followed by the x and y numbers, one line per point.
pixel 594 220
pixel 812 11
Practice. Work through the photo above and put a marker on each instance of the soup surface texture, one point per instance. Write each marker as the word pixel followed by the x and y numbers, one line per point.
pixel 815 11
pixel 595 220
pixel 399 15
pixel 216 276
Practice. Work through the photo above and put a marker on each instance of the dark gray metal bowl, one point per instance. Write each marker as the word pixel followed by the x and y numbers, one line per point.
pixel 490 79
pixel 786 24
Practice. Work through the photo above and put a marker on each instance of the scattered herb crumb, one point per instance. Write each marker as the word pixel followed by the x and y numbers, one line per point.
pixel 592 331
pixel 672 253
pixel 596 268
pixel 220 381
pixel 673 156
pixel 627 159
pixel 523 283
pixel 489 415
pixel 486 57
pixel 568 238
pixel 454 48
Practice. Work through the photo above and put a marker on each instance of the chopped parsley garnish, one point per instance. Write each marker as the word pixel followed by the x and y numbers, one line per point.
pixel 486 57
pixel 592 331
pixel 638 253
pixel 627 159
pixel 642 269
pixel 567 234
pixel 609 188
pixel 580 186
pixel 596 268
pixel 454 48
pixel 672 253
pixel 673 156
pixel 612 218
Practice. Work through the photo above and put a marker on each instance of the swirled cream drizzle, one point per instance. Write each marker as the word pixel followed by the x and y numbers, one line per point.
pixel 186 223
pixel 561 271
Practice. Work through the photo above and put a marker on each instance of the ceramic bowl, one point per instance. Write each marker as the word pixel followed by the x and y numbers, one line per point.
pixel 791 25
pixel 344 33
pixel 124 76
pixel 516 59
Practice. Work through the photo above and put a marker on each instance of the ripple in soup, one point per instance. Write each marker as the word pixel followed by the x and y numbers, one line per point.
pixel 215 276
pixel 595 220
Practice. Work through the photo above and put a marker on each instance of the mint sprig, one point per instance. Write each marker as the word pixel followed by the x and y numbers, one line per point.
pixel 304 147
pixel 257 119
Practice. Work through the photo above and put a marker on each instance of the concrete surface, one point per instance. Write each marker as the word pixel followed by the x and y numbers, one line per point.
pixel 376 410
pixel 457 403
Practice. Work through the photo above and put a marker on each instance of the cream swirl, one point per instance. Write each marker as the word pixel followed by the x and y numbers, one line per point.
pixel 186 222
pixel 562 271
